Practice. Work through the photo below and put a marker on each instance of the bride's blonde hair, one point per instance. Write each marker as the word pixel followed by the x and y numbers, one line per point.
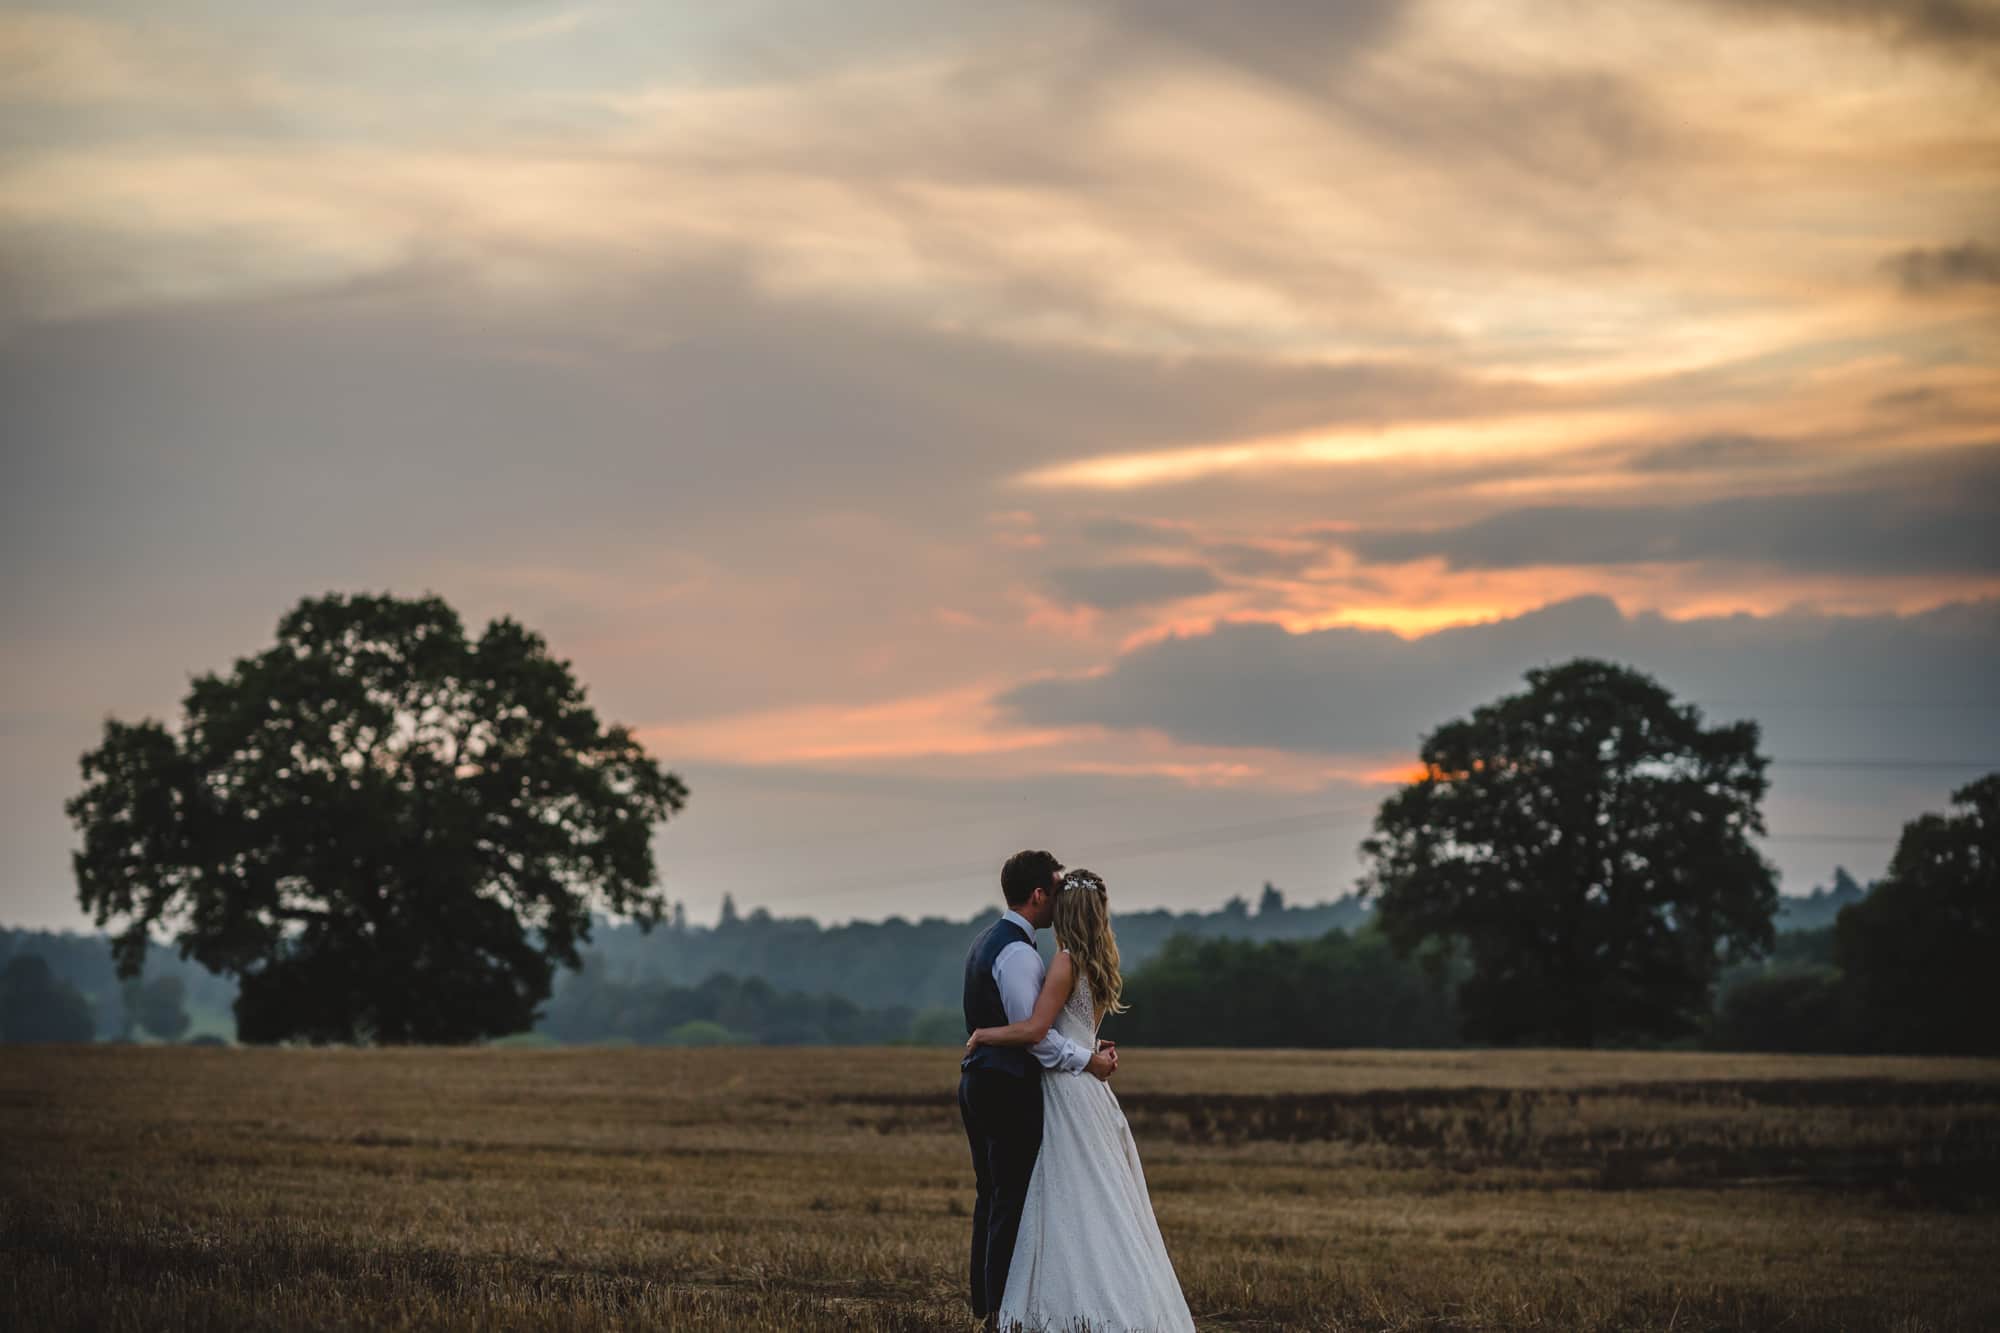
pixel 1083 926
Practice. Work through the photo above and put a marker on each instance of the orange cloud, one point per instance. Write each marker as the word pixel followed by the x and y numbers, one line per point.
pixel 958 733
pixel 1402 775
pixel 1421 597
pixel 955 722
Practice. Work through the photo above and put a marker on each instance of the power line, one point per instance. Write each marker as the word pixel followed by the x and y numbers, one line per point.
pixel 1953 765
pixel 1310 821
pixel 852 835
pixel 1879 765
pixel 1862 705
pixel 1214 836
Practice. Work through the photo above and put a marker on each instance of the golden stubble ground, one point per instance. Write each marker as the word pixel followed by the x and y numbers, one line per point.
pixel 762 1188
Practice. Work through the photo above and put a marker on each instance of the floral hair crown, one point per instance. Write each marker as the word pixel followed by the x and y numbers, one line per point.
pixel 1083 879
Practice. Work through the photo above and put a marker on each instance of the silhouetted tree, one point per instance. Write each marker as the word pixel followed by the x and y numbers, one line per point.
pixel 589 1007
pixel 1272 902
pixel 386 831
pixel 86 962
pixel 1920 948
pixel 703 1032
pixel 1337 990
pixel 1817 909
pixel 1585 844
pixel 1789 1009
pixel 938 1027
pixel 158 1006
pixel 36 1005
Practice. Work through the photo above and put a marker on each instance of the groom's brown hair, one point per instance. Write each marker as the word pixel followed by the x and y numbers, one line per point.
pixel 1025 872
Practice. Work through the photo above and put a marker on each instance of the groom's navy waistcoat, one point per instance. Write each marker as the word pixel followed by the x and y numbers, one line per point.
pixel 983 1008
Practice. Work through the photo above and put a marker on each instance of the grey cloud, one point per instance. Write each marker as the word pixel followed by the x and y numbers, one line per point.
pixel 1118 587
pixel 1940 515
pixel 1955 26
pixel 412 411
pixel 1839 686
pixel 1110 530
pixel 1295 42
pixel 1258 561
pixel 1923 398
pixel 659 428
pixel 1707 451
pixel 1251 559
pixel 1921 270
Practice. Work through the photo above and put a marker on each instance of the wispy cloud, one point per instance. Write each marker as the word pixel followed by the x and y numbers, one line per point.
pixel 1412 445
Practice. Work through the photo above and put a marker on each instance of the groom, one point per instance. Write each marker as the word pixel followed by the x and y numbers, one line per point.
pixel 1000 1089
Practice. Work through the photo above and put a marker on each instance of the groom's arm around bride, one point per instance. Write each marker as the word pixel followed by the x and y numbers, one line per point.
pixel 1033 1030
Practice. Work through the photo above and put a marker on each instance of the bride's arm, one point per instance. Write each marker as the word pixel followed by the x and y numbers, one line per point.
pixel 1055 993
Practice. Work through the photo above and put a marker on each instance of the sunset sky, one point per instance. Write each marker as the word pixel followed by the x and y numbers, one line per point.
pixel 940 430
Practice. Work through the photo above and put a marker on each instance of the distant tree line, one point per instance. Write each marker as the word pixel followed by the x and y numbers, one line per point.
pixel 899 961
pixel 719 1009
pixel 788 980
pixel 1342 989
pixel 65 986
pixel 904 975
pixel 36 1005
pixel 1818 909
pixel 1347 987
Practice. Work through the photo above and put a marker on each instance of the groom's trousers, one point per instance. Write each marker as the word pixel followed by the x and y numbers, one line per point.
pixel 1003 1119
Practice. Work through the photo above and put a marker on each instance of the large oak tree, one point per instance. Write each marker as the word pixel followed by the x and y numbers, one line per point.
pixel 1583 848
pixel 388 832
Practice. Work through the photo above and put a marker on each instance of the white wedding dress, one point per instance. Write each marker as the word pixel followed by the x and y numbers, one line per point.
pixel 1089 1255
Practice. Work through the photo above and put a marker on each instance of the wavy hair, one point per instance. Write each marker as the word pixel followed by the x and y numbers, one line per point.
pixel 1083 926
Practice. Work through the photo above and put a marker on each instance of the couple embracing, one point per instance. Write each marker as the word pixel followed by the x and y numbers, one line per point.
pixel 1063 1235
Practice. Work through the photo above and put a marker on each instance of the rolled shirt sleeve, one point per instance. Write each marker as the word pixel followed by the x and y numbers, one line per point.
pixel 1019 973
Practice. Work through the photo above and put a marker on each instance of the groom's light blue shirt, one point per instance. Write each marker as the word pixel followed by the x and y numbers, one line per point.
pixel 1019 974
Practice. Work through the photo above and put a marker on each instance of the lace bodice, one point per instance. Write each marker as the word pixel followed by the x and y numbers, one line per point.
pixel 1078 1019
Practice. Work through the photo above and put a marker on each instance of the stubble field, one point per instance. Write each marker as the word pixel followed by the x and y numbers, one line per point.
pixel 771 1188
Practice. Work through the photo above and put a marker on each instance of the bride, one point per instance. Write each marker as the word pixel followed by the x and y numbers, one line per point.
pixel 1089 1253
